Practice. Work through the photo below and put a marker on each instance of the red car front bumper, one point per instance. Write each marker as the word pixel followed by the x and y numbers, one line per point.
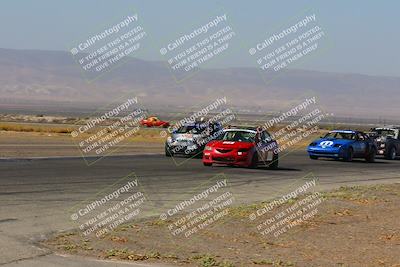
pixel 233 157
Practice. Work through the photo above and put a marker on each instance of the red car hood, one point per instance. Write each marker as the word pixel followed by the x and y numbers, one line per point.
pixel 230 144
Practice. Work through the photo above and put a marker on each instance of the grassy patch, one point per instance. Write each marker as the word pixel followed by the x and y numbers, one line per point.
pixel 15 127
pixel 211 261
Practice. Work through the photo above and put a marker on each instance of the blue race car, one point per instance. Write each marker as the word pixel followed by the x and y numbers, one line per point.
pixel 343 144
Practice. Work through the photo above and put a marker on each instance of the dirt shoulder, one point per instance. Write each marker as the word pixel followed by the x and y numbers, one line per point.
pixel 30 142
pixel 351 226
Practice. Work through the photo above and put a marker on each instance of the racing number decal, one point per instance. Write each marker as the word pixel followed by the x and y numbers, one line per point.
pixel 326 143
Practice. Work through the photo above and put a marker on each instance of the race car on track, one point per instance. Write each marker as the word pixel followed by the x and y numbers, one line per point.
pixel 343 144
pixel 154 122
pixel 191 138
pixel 242 147
pixel 387 140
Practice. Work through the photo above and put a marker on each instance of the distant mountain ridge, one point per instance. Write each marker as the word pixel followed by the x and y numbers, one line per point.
pixel 34 75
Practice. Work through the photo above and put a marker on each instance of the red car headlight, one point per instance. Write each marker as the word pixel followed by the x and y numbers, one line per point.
pixel 207 148
pixel 242 150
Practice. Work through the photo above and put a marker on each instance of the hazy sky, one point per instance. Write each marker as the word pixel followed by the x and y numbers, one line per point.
pixel 364 35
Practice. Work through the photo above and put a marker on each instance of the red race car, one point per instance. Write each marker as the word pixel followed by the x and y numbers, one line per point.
pixel 154 122
pixel 242 147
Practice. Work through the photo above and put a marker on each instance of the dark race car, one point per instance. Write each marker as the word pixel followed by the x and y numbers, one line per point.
pixel 242 147
pixel 387 140
pixel 343 144
pixel 191 138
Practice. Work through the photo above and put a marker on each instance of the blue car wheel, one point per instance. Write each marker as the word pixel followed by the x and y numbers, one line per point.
pixel 349 155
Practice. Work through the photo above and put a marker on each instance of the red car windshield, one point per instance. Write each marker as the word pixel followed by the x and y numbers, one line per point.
pixel 238 136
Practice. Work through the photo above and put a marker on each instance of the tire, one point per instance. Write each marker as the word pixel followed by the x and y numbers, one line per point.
pixel 207 164
pixel 254 161
pixel 371 155
pixel 275 162
pixel 314 157
pixel 167 152
pixel 350 155
pixel 391 153
pixel 199 154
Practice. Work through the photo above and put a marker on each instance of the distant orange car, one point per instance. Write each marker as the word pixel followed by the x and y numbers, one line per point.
pixel 154 122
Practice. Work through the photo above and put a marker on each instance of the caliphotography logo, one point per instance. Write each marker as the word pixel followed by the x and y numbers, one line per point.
pixel 109 129
pixel 109 47
pixel 208 205
pixel 114 206
pixel 290 43
pixel 189 136
pixel 295 207
pixel 193 48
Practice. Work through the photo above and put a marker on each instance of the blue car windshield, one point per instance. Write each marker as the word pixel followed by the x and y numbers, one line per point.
pixel 340 135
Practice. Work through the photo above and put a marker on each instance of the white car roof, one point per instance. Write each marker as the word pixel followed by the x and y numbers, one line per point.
pixel 240 130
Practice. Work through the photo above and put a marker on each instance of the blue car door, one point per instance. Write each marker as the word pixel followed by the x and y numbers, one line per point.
pixel 360 145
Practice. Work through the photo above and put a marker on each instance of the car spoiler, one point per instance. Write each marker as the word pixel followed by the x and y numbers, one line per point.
pixel 241 127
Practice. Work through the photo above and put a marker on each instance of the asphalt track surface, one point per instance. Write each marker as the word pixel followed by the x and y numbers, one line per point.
pixel 36 194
